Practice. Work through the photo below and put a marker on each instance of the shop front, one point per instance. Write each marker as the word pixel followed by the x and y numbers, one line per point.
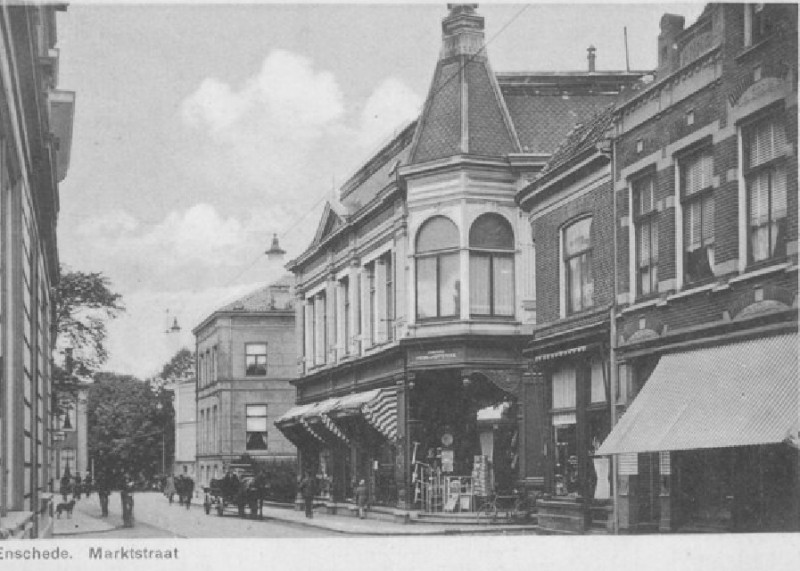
pixel 343 440
pixel 462 427
pixel 710 442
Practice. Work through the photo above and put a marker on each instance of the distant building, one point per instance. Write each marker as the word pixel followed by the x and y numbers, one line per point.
pixel 246 357
pixel 35 143
pixel 184 402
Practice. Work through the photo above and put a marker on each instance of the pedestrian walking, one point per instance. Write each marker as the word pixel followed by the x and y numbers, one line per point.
pixel 77 488
pixel 64 487
pixel 361 499
pixel 188 491
pixel 169 488
pixel 308 490
pixel 126 497
pixel 103 491
pixel 88 486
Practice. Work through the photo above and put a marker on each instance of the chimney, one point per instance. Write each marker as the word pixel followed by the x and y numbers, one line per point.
pixel 671 27
pixel 462 31
pixel 591 57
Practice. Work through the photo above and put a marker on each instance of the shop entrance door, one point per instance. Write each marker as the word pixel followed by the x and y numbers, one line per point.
pixel 649 491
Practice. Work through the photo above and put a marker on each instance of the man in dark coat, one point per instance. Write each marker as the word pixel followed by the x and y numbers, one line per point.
pixel 77 489
pixel 308 489
pixel 103 491
pixel 126 497
pixel 188 490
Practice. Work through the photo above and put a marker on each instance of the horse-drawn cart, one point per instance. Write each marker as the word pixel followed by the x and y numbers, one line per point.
pixel 247 491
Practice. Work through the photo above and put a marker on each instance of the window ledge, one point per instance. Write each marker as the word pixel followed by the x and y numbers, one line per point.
pixel 692 291
pixel 642 305
pixel 747 50
pixel 760 272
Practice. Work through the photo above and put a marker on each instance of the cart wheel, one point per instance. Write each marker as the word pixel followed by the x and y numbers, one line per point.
pixel 487 513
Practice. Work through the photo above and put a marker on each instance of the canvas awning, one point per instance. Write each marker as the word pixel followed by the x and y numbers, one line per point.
pixel 739 394
pixel 381 412
pixel 378 407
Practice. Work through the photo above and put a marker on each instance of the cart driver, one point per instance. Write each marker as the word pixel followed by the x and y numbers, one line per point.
pixel 230 482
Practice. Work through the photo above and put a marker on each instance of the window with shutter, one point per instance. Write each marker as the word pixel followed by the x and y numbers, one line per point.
pixel 696 183
pixel 765 179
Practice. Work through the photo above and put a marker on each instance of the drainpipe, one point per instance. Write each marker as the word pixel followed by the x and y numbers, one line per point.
pixel 612 357
pixel 606 147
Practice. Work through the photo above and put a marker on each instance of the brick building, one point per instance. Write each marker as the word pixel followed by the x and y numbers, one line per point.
pixel 416 294
pixel 705 186
pixel 565 412
pixel 35 142
pixel 246 358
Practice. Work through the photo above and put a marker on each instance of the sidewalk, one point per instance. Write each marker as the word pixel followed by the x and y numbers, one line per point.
pixel 85 519
pixel 349 524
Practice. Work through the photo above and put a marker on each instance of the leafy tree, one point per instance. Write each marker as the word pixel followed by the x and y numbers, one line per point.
pixel 84 302
pixel 180 364
pixel 129 423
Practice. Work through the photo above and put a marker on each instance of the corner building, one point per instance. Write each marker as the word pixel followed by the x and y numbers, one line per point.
pixel 705 180
pixel 415 296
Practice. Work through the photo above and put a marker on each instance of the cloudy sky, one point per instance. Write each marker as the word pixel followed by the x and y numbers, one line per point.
pixel 201 130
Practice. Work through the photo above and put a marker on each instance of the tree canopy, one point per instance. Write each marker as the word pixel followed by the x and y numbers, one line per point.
pixel 129 422
pixel 84 303
pixel 180 364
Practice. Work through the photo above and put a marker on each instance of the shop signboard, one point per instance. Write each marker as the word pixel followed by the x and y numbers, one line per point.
pixel 433 357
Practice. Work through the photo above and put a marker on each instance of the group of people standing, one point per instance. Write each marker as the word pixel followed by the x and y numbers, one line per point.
pixel 182 486
pixel 76 486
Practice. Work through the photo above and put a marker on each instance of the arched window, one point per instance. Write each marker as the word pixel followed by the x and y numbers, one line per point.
pixel 491 266
pixel 438 281
pixel 577 254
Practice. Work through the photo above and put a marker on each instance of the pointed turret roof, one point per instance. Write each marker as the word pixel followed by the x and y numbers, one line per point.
pixel 465 112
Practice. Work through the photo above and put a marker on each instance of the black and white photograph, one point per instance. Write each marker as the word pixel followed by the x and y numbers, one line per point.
pixel 458 286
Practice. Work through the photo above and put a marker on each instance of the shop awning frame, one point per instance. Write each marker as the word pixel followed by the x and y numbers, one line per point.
pixel 738 394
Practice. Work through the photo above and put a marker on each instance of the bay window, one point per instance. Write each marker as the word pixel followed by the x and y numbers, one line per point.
pixel 437 269
pixel 765 180
pixel 491 266
pixel 697 200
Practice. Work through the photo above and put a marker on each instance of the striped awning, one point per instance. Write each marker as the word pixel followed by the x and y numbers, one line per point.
pixel 740 394
pixel 381 412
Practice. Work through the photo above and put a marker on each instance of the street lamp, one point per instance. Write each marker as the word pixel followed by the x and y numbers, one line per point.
pixel 275 251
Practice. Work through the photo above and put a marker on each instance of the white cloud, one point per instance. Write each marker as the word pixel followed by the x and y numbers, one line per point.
pixel 390 106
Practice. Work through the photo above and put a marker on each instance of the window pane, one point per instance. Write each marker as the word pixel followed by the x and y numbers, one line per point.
pixel 257 410
pixel 256 348
pixel 450 285
pixel 491 231
pixel 256 424
pixel 708 220
pixel 764 141
pixel 564 394
pixel 574 281
pixel 256 441
pixel 587 285
pixel 503 285
pixel 479 302
pixel 426 287
pixel 577 237
pixel 697 171
pixel 437 233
